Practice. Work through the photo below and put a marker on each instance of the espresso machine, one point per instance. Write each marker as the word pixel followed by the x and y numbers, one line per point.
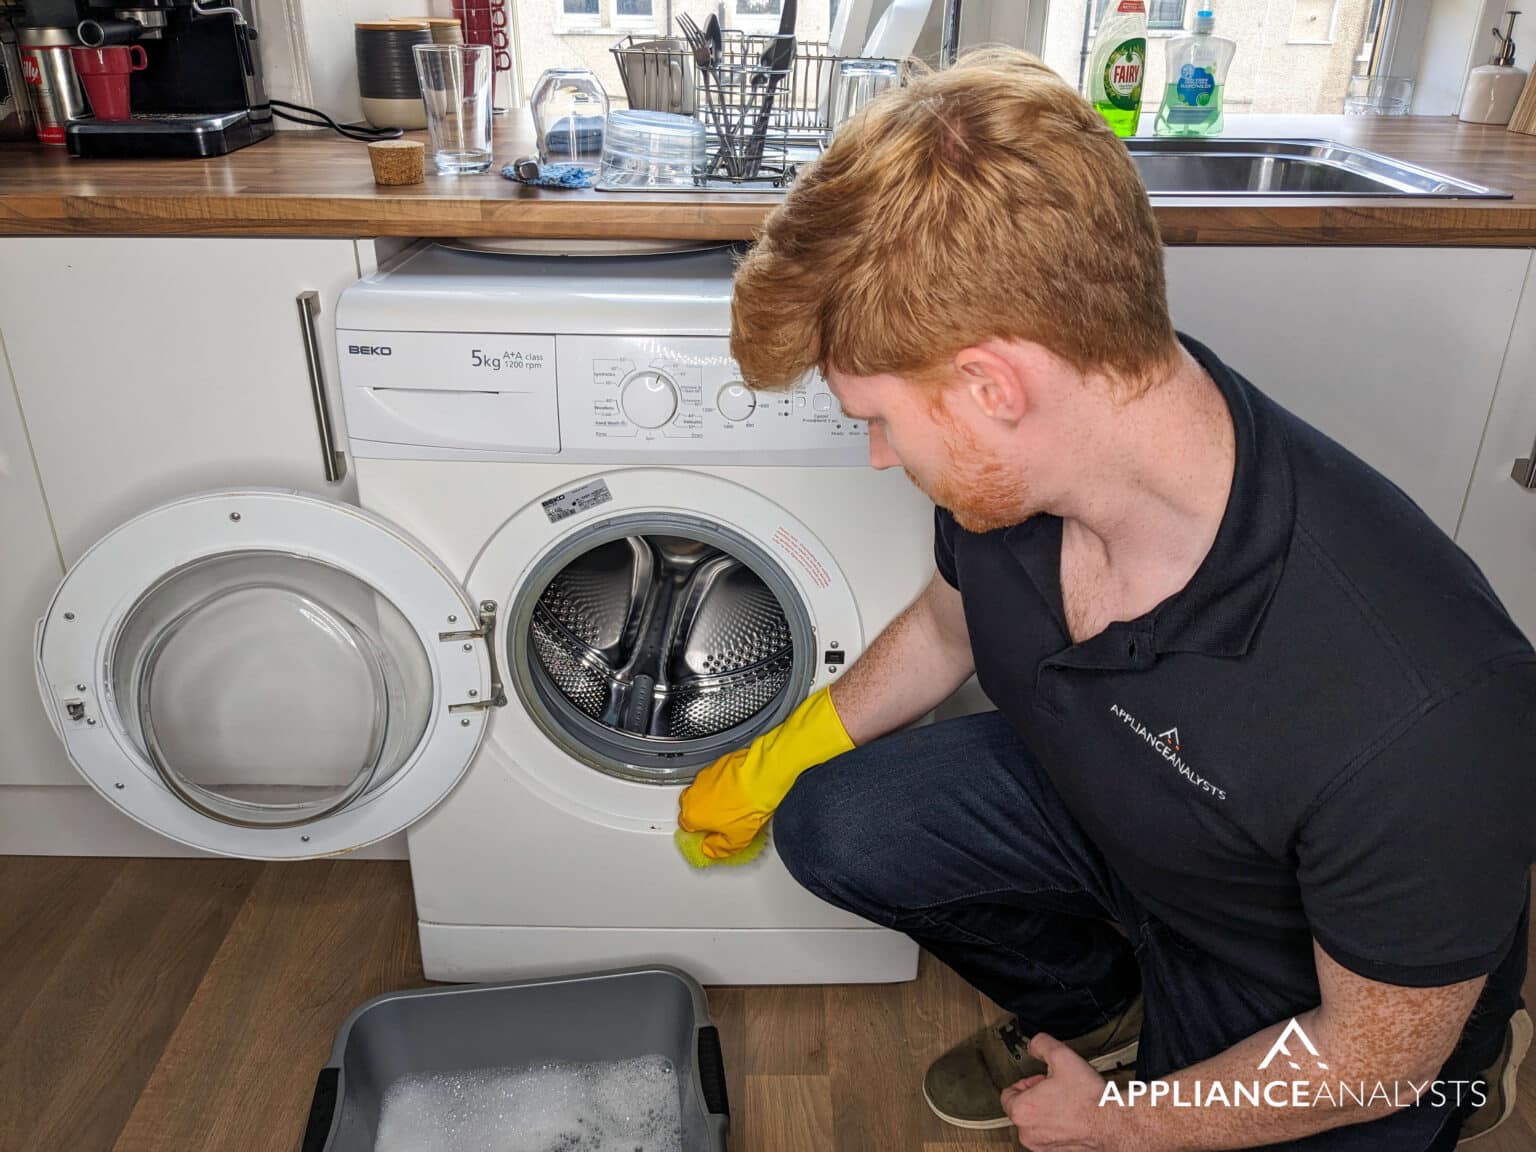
pixel 201 94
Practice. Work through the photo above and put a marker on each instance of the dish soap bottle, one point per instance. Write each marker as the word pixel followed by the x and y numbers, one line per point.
pixel 1197 75
pixel 1493 88
pixel 1118 64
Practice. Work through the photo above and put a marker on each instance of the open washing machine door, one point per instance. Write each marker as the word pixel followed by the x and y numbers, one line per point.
pixel 656 619
pixel 267 674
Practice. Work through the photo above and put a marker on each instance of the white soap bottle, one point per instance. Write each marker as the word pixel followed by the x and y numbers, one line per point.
pixel 1493 88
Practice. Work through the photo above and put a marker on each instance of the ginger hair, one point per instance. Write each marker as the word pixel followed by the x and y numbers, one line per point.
pixel 987 201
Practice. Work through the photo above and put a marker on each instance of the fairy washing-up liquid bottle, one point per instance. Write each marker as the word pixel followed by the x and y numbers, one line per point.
pixel 1118 63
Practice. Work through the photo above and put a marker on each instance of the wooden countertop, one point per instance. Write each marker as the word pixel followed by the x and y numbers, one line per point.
pixel 317 184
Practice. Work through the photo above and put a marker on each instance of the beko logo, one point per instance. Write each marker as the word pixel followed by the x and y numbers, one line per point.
pixel 370 350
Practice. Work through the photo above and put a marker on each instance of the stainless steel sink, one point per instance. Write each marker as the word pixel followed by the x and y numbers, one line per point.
pixel 1182 166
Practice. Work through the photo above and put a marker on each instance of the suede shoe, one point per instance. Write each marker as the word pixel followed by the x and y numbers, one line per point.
pixel 1501 1081
pixel 964 1086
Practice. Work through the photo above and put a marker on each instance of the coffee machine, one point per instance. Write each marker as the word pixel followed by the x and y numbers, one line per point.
pixel 201 94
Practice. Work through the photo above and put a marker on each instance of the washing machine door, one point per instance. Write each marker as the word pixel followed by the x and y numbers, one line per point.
pixel 266 674
pixel 657 619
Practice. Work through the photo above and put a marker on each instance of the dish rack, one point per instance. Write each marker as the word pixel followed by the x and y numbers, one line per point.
pixel 763 121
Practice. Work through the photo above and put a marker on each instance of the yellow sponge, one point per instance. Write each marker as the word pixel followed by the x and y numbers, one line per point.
pixel 691 845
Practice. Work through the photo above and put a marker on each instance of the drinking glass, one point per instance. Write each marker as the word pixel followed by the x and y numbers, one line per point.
pixel 858 82
pixel 570 109
pixel 456 87
pixel 1378 96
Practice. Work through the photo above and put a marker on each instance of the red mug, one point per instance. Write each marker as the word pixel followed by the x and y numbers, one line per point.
pixel 105 72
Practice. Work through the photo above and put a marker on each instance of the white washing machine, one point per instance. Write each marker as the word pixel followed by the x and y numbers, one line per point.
pixel 588 562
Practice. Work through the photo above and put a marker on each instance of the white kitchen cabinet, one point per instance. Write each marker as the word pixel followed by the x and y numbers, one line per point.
pixel 1394 352
pixel 150 368
pixel 1498 528
pixel 144 369
pixel 29 571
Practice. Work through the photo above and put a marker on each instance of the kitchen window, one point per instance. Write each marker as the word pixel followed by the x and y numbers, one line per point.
pixel 757 15
pixel 589 16
pixel 1294 57
pixel 1165 14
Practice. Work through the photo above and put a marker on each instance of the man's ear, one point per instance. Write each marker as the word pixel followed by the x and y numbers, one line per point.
pixel 996 384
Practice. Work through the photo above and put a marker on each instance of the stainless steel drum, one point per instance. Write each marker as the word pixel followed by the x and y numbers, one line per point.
pixel 655 652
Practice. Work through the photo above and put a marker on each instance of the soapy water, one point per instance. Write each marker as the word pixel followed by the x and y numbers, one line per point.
pixel 609 1106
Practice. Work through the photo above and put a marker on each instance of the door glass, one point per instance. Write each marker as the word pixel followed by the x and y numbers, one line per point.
pixel 270 689
pixel 661 650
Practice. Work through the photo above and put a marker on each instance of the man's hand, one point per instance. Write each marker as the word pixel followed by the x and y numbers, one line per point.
pixel 1059 1112
pixel 734 796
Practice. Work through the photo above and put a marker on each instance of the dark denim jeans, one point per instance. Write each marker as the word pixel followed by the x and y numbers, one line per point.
pixel 952 835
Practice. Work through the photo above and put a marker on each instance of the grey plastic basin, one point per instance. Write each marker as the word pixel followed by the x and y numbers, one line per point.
pixel 576 1019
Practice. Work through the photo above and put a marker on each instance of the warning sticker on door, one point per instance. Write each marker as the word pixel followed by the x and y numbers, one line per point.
pixel 795 548
pixel 578 499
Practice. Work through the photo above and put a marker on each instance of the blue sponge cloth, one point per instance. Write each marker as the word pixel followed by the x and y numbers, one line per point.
pixel 554 176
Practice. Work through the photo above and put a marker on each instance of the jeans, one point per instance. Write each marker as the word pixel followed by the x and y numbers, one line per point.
pixel 953 835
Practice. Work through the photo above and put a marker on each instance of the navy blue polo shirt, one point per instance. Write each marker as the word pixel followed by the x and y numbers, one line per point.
pixel 1329 732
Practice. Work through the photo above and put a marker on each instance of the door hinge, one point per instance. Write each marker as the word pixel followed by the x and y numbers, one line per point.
pixel 486 632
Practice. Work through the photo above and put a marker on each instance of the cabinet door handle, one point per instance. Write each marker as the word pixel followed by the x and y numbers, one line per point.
pixel 334 459
pixel 1524 471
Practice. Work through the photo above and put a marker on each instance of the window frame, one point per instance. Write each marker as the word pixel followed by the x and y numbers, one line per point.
pixel 578 20
pixel 649 22
pixel 766 24
pixel 608 22
pixel 1167 25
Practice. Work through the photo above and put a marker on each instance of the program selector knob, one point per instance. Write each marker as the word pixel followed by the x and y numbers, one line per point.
pixel 736 401
pixel 649 399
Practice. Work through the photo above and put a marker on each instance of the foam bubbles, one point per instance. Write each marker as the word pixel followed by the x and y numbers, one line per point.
pixel 611 1106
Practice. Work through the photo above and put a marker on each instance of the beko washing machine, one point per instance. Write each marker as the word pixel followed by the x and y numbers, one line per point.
pixel 675 562
pixel 588 562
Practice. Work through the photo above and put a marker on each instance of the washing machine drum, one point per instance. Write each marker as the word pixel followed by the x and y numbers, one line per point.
pixel 661 645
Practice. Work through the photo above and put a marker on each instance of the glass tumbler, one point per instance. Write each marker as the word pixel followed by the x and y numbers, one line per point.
pixel 1378 96
pixel 570 109
pixel 456 87
pixel 858 82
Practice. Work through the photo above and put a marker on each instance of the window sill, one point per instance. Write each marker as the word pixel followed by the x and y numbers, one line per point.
pixel 612 31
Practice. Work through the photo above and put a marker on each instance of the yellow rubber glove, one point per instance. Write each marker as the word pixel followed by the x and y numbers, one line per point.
pixel 732 799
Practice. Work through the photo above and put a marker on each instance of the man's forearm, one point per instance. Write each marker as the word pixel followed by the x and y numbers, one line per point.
pixel 1291 1102
pixel 910 668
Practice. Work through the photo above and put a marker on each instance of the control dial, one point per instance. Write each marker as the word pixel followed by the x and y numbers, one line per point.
pixel 736 401
pixel 649 398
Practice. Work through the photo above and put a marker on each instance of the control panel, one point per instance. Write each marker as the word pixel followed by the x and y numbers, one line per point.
pixel 582 398
pixel 685 393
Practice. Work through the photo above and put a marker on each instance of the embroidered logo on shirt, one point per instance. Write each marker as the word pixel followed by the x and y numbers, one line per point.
pixel 1168 746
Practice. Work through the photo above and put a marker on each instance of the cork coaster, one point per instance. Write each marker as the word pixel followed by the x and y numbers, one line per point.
pixel 397 161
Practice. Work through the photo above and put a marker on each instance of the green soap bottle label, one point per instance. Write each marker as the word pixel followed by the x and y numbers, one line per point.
pixel 1122 74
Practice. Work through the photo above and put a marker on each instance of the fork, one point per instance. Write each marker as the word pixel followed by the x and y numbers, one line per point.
pixel 705 57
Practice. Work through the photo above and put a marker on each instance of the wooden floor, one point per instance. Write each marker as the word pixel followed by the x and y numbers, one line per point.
pixel 185 1006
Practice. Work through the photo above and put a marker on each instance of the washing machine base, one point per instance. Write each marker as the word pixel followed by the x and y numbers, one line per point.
pixel 475 953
